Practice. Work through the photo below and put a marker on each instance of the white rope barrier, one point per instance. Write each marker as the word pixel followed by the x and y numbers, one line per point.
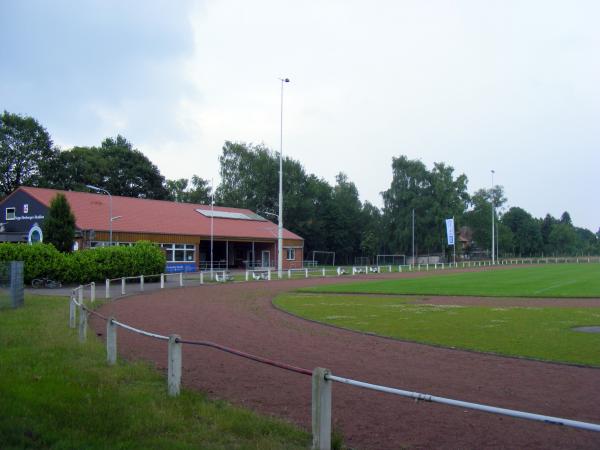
pixel 136 330
pixel 476 406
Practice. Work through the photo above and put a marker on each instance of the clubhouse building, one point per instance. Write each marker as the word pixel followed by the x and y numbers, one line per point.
pixel 239 238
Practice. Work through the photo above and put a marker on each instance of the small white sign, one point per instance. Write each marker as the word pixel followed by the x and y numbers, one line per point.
pixel 25 208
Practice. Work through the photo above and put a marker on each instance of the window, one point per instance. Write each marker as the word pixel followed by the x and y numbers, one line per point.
pixel 291 254
pixel 179 252
pixel 10 213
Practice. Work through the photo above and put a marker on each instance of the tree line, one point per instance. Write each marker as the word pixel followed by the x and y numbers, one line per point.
pixel 329 217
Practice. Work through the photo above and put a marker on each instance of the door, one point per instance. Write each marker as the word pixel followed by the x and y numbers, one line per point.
pixel 266 258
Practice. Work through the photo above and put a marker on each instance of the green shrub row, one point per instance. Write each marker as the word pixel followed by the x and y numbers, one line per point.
pixel 95 264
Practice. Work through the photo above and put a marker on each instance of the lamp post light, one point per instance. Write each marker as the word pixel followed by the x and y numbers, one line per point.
pixel 110 216
pixel 280 217
pixel 493 217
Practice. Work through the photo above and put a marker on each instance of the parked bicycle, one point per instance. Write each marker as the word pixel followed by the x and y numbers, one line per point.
pixel 45 283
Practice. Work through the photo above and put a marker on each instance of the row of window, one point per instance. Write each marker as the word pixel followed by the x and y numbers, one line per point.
pixel 179 252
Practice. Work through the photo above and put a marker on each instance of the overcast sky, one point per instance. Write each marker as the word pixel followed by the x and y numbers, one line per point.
pixel 512 86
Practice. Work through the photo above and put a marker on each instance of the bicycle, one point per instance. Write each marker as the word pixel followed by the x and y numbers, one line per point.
pixel 45 283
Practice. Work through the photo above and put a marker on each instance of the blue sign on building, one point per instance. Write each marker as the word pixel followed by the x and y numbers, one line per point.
pixel 176 267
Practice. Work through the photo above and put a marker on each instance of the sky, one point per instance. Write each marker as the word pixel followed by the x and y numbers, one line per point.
pixel 509 86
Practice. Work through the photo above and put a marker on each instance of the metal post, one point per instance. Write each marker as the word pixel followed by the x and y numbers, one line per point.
pixel 180 279
pixel 269 274
pixel 80 294
pixel 493 218
pixel 107 288
pixel 82 323
pixel 111 342
pixel 141 282
pixel 321 409
pixel 174 371
pixel 92 291
pixel 289 273
pixel 305 273
pixel 413 236
pixel 280 218
pixel 323 271
pixel 72 313
pixel 247 275
pixel 123 286
pixel 162 280
pixel 201 277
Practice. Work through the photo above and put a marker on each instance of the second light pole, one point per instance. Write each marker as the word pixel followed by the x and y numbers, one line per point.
pixel 280 221
pixel 493 218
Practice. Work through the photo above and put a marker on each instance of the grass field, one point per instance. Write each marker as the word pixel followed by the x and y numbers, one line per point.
pixel 58 393
pixel 563 280
pixel 539 333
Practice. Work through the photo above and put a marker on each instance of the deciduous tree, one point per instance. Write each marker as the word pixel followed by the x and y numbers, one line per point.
pixel 25 152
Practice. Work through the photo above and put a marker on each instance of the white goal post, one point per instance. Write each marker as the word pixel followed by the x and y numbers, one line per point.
pixel 394 260
pixel 323 258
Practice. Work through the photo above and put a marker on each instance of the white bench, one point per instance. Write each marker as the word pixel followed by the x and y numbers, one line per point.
pixel 223 276
pixel 262 275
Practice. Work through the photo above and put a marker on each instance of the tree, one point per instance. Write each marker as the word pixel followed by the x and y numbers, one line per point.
pixel 25 152
pixel 115 166
pixel 59 224
pixel 434 196
pixel 479 217
pixel 566 218
pixel 179 191
pixel 527 237
pixel 343 219
pixel 563 239
pixel 176 189
pixel 131 173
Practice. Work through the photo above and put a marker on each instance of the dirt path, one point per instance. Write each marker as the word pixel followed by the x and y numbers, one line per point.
pixel 241 315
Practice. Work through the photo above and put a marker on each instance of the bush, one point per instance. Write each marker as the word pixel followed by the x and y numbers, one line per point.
pixel 40 260
pixel 97 264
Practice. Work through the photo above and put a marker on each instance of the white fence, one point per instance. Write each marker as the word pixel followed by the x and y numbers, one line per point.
pixel 138 283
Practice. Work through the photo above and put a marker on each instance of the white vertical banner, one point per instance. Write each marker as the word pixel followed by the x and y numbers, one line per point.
pixel 450 230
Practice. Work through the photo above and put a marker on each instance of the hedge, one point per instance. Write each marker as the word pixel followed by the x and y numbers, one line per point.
pixel 95 264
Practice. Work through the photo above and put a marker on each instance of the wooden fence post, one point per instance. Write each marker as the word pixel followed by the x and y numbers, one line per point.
pixel 174 372
pixel 321 410
pixel 82 323
pixel 111 342
pixel 72 313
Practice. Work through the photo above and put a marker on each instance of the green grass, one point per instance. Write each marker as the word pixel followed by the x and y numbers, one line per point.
pixel 539 333
pixel 57 393
pixel 563 280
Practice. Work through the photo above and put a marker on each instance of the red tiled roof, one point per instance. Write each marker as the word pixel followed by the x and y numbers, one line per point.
pixel 156 216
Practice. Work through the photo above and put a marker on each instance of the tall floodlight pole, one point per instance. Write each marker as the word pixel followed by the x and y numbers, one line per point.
pixel 493 214
pixel 110 216
pixel 212 222
pixel 280 221
pixel 413 236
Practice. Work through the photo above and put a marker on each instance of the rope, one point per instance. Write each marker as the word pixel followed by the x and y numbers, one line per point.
pixel 95 313
pixel 145 333
pixel 248 356
pixel 476 406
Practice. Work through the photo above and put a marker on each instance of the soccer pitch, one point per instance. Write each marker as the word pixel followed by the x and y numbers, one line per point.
pixel 543 333
pixel 563 281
